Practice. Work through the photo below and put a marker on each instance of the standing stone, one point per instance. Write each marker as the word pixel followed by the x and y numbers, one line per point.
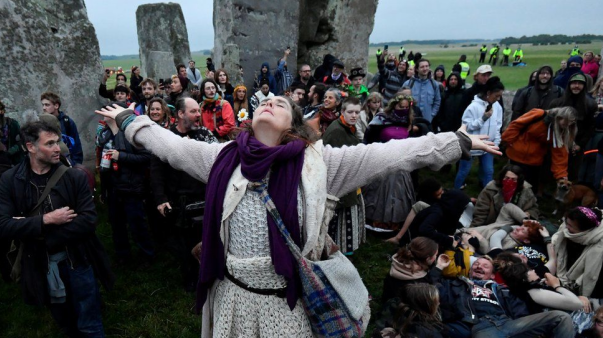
pixel 161 28
pixel 159 65
pixel 600 66
pixel 340 28
pixel 51 46
pixel 262 30
pixel 230 62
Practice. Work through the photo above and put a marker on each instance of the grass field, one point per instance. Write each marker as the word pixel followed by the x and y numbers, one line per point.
pixel 512 77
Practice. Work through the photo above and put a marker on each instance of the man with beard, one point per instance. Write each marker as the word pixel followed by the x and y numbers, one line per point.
pixel 425 91
pixel 540 95
pixel 479 307
pixel 304 78
pixel 48 211
pixel 179 197
pixel 149 88
pixel 576 96
pixel 9 136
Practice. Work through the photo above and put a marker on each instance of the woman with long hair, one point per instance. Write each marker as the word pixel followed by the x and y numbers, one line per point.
pixel 224 87
pixel 371 107
pixel 537 132
pixel 245 263
pixel 216 112
pixel 135 80
pixel 159 112
pixel 418 315
pixel 241 106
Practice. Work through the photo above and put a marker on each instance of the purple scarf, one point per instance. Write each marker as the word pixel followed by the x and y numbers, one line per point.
pixel 256 160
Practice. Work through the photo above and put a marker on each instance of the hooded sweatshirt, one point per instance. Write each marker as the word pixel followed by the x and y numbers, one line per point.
pixel 536 96
pixel 563 79
pixel 271 79
pixel 473 118
pixel 326 67
pixel 450 115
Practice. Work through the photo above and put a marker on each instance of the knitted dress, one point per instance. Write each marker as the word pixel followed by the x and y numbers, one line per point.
pixel 243 313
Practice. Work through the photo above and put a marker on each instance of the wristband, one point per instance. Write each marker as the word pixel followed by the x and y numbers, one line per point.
pixel 547 239
pixel 557 287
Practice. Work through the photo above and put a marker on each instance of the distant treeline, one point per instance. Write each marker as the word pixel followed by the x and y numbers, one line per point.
pixel 428 42
pixel 135 56
pixel 546 39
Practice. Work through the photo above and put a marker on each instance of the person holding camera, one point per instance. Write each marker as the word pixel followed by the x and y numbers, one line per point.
pixel 180 197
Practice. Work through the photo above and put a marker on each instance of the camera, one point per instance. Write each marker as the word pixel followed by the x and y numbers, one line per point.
pixel 167 211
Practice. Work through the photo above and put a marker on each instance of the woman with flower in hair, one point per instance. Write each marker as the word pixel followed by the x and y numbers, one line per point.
pixel 241 106
pixel 388 200
pixel 579 248
pixel 216 112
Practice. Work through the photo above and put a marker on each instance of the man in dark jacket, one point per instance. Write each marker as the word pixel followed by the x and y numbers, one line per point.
pixel 540 95
pixel 304 78
pixel 479 307
pixel 450 116
pixel 61 255
pixel 179 196
pixel 123 189
pixel 325 69
pixel 51 103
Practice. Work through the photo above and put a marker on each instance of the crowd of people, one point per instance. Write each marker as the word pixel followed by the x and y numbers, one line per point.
pixel 216 174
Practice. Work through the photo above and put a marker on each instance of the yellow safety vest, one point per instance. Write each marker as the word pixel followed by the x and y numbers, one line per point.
pixel 464 69
pixel 518 53
pixel 483 49
pixel 507 51
pixel 411 63
pixel 575 51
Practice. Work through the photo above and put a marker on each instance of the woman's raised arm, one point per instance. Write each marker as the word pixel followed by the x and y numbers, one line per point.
pixel 194 157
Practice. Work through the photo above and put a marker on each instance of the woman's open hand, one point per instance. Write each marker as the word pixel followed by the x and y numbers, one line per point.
pixel 114 110
pixel 479 142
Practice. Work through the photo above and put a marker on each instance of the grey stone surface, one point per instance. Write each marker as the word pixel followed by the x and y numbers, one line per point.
pixel 262 30
pixel 160 65
pixel 50 46
pixel 601 66
pixel 161 27
pixel 230 62
pixel 312 28
pixel 340 28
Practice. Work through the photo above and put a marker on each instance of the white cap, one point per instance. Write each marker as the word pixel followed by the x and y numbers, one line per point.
pixel 483 69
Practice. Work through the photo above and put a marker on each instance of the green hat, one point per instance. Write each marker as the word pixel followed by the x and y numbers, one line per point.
pixel 578 77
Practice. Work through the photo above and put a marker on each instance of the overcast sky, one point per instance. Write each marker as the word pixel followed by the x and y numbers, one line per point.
pixel 396 20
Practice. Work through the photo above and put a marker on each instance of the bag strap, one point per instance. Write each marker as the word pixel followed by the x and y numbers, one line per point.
pixel 54 179
pixel 262 189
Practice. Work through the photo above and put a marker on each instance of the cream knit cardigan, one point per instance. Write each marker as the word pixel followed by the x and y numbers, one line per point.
pixel 327 173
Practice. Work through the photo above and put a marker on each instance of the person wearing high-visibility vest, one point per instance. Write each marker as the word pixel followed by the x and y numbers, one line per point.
pixel 465 69
pixel 518 55
pixel 482 54
pixel 506 54
pixel 494 55
pixel 402 54
pixel 575 51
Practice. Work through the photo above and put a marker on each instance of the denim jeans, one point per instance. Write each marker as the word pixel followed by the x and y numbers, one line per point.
pixel 556 324
pixel 80 315
pixel 125 208
pixel 485 173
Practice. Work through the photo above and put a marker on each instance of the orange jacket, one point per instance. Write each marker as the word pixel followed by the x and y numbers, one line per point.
pixel 221 114
pixel 527 140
